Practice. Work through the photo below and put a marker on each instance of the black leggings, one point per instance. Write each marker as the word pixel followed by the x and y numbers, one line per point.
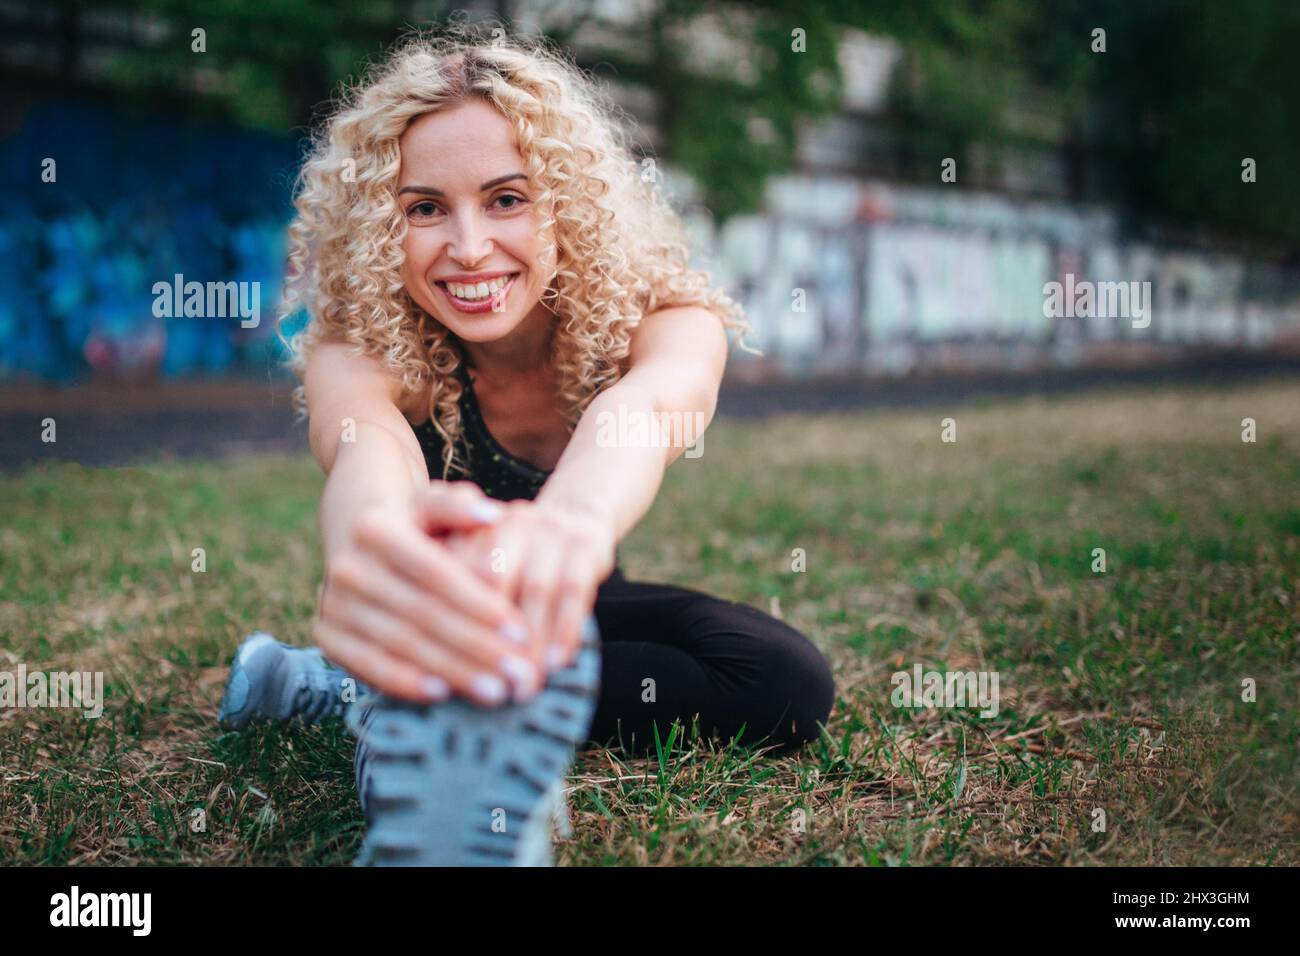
pixel 671 653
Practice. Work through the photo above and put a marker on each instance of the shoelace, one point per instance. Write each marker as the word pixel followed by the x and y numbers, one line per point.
pixel 316 696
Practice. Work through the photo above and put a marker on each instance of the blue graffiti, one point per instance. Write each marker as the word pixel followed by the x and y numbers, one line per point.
pixel 134 201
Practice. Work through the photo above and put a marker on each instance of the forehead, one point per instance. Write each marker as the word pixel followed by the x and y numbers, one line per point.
pixel 458 145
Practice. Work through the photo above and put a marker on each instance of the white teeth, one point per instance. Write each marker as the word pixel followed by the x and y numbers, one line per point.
pixel 481 290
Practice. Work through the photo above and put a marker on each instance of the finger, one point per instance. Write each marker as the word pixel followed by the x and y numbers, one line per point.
pixel 536 592
pixel 432 622
pixel 503 551
pixel 503 556
pixel 430 567
pixel 449 505
pixel 474 548
pixel 371 665
pixel 575 596
pixel 401 641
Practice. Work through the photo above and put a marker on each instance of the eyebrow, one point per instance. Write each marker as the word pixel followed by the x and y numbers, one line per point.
pixel 431 191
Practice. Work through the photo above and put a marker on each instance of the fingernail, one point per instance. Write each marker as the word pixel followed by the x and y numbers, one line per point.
pixel 521 673
pixel 514 631
pixel 486 511
pixel 491 690
pixel 554 656
pixel 435 688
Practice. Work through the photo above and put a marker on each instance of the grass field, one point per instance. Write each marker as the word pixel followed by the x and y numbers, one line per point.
pixel 1120 691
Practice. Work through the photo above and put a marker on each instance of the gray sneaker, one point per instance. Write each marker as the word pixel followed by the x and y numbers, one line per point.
pixel 457 784
pixel 271 681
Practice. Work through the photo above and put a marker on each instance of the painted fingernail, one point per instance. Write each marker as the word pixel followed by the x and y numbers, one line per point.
pixel 554 656
pixel 487 512
pixel 489 689
pixel 514 631
pixel 520 672
pixel 435 688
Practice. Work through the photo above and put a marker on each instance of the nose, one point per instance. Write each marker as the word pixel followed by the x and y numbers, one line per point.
pixel 471 241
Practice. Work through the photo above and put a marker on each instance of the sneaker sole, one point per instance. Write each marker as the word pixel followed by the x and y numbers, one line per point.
pixel 456 784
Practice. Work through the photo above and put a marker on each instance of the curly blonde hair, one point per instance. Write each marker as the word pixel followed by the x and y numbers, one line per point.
pixel 620 248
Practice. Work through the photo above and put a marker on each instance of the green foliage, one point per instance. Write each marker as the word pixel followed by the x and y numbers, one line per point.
pixel 1182 94
pixel 269 65
pixel 732 151
pixel 275 65
pixel 1160 121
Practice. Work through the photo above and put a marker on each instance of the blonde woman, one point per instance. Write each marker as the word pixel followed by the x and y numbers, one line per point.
pixel 491 282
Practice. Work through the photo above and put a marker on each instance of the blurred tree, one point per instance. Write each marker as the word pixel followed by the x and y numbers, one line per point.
pixel 733 125
pixel 273 65
pixel 1186 92
pixel 269 65
pixel 1161 121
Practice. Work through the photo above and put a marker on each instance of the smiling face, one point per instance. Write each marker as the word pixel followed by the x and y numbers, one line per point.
pixel 473 253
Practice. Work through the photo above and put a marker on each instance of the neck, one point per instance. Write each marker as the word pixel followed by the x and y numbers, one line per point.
pixel 525 351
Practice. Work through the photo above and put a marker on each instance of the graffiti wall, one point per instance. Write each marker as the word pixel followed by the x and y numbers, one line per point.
pixel 836 275
pixel 848 276
pixel 91 220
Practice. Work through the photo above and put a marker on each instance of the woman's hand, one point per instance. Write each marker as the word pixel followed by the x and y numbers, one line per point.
pixel 406 616
pixel 549 559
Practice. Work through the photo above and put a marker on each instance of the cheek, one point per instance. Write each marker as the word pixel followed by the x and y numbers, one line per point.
pixel 417 255
pixel 523 243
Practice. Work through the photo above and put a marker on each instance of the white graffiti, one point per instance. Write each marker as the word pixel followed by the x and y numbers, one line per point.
pixel 845 276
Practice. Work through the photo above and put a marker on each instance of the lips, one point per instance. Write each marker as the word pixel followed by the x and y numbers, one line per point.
pixel 476 306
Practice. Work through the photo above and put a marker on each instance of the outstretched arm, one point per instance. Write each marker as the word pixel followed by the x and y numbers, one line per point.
pixel 556 550
pixel 676 363
pixel 397 608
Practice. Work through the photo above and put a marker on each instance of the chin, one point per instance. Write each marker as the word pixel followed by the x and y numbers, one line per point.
pixel 486 331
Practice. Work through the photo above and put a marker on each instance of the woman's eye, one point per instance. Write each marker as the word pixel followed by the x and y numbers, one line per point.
pixel 515 201
pixel 422 209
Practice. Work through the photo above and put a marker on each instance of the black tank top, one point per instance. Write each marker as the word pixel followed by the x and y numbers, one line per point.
pixel 500 474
